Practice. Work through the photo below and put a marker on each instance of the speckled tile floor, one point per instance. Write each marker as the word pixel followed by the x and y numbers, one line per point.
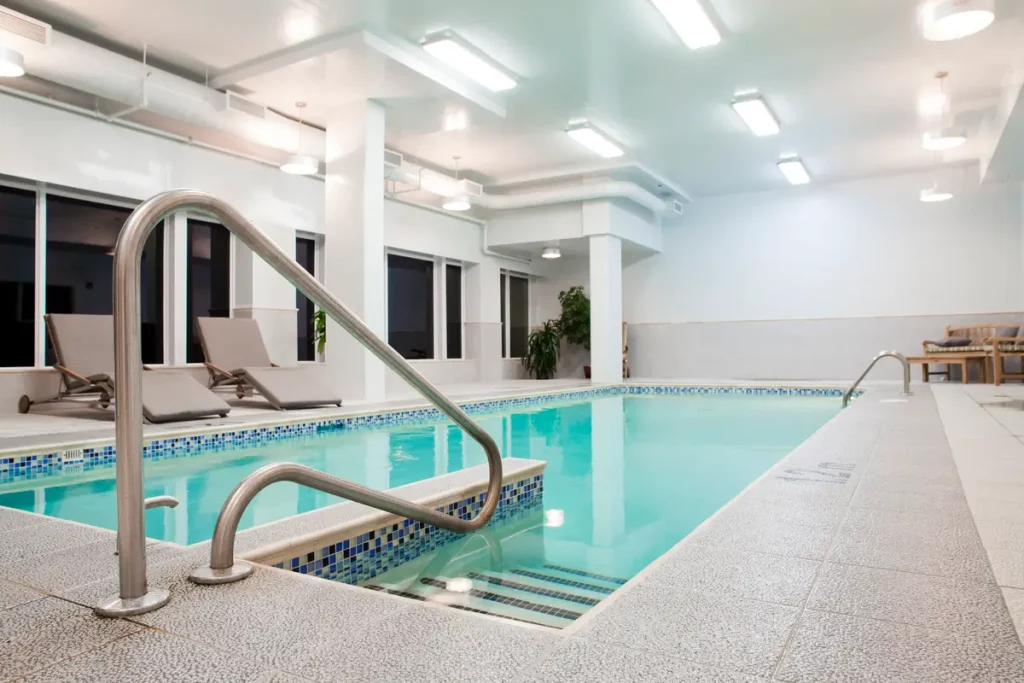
pixel 857 558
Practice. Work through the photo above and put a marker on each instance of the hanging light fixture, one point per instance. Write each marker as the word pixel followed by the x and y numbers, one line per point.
pixel 459 202
pixel 953 19
pixel 551 252
pixel 12 64
pixel 943 136
pixel 300 164
pixel 935 194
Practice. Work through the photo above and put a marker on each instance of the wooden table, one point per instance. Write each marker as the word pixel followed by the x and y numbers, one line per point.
pixel 949 360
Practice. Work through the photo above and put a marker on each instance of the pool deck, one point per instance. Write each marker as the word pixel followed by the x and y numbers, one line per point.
pixel 887 547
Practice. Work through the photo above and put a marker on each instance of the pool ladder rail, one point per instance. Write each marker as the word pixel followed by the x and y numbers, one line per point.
pixel 134 596
pixel 883 354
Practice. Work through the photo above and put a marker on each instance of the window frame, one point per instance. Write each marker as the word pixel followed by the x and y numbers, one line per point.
pixel 232 260
pixel 43 190
pixel 440 301
pixel 506 307
pixel 318 240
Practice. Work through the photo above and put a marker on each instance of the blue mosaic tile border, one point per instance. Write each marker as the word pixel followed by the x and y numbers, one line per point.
pixel 362 557
pixel 25 467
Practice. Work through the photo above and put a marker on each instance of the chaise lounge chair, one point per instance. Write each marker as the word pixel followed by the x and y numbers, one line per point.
pixel 84 346
pixel 237 357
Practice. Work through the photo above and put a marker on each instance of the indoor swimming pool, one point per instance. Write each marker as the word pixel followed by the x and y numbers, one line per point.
pixel 626 477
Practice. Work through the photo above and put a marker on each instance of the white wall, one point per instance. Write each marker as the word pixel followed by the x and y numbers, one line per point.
pixel 832 272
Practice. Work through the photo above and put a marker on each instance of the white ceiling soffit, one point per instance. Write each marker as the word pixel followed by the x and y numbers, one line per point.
pixel 608 189
pixel 1003 135
pixel 635 172
pixel 372 46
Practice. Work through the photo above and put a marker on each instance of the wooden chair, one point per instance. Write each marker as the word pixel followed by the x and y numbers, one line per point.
pixel 980 349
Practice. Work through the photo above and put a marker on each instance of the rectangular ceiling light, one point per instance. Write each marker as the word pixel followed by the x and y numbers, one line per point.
pixel 690 21
pixel 795 171
pixel 755 113
pixel 594 140
pixel 460 55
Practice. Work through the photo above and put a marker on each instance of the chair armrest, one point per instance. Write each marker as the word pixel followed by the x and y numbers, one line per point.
pixel 216 370
pixel 274 365
pixel 71 373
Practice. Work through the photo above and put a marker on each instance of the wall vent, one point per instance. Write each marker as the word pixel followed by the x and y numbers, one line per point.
pixel 677 207
pixel 238 103
pixel 26 27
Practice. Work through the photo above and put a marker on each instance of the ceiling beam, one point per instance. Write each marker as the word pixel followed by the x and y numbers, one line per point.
pixel 293 54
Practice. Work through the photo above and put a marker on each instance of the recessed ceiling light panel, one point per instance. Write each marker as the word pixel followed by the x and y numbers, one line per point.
pixel 594 140
pixel 469 60
pixel 755 113
pixel 794 170
pixel 689 20
pixel 953 19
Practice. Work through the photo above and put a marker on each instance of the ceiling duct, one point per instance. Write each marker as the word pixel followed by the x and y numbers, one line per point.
pixel 608 189
pixel 392 162
pixel 25 27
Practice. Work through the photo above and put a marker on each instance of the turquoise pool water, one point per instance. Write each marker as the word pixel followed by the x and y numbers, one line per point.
pixel 627 476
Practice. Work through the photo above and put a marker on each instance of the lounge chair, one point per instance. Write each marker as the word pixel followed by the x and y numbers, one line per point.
pixel 84 346
pixel 237 357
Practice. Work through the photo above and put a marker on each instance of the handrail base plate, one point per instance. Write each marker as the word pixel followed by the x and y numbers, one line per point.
pixel 208 576
pixel 117 606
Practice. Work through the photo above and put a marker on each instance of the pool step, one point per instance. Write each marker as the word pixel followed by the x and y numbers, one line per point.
pixel 549 597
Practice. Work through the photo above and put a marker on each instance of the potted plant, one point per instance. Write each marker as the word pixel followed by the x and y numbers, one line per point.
pixel 541 357
pixel 320 331
pixel 575 320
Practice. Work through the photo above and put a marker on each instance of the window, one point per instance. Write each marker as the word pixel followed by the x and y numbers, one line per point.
pixel 515 312
pixel 453 310
pixel 80 238
pixel 208 279
pixel 17 276
pixel 305 254
pixel 411 306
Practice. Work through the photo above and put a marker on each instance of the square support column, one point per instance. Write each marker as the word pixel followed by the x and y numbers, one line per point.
pixel 354 244
pixel 483 319
pixel 606 308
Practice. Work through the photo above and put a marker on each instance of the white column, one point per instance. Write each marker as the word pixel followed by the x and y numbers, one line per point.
pixel 606 308
pixel 483 319
pixel 176 289
pixel 354 247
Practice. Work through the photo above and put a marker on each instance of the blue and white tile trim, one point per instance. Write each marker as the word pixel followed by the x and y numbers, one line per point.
pixel 27 466
pixel 359 558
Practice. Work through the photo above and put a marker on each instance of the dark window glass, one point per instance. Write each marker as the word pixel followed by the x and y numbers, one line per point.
pixel 504 341
pixel 80 239
pixel 209 279
pixel 17 276
pixel 305 254
pixel 411 306
pixel 518 313
pixel 453 309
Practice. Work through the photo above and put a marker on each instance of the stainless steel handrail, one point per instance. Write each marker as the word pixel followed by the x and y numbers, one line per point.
pixel 884 354
pixel 134 597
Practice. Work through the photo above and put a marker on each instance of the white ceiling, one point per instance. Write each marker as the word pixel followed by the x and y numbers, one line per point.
pixel 842 75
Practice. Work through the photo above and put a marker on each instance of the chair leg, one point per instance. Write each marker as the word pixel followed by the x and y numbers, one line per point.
pixel 963 371
pixel 997 369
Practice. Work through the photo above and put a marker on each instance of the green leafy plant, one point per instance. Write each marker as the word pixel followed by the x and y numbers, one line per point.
pixel 541 357
pixel 320 330
pixel 574 323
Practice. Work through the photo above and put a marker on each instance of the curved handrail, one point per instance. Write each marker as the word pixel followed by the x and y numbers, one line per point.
pixel 884 354
pixel 133 597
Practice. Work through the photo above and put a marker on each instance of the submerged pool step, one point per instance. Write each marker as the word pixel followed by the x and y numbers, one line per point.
pixel 551 595
pixel 589 575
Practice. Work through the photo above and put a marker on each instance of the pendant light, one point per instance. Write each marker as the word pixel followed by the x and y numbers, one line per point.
pixel 944 135
pixel 459 202
pixel 12 64
pixel 298 163
pixel 954 19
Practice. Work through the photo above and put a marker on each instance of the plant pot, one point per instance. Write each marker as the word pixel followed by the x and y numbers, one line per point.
pixel 586 371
